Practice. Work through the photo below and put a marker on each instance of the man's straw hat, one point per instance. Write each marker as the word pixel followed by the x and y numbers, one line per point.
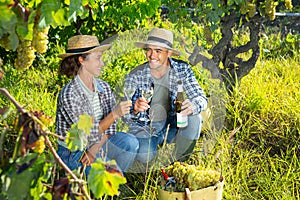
pixel 159 37
pixel 82 44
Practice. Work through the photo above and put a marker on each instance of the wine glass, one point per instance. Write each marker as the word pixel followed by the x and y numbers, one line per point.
pixel 129 92
pixel 147 94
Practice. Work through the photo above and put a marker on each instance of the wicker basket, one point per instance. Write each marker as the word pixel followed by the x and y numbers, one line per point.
pixel 209 193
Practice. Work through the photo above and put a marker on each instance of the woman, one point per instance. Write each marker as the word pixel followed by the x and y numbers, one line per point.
pixel 85 94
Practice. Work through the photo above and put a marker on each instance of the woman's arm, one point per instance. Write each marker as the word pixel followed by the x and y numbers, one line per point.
pixel 122 109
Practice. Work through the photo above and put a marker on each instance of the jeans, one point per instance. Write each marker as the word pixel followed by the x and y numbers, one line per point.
pixel 121 147
pixel 150 140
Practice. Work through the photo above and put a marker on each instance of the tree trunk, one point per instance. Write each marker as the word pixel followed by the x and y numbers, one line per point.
pixel 225 64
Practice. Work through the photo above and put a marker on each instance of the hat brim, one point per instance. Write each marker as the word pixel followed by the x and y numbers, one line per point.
pixel 145 45
pixel 100 48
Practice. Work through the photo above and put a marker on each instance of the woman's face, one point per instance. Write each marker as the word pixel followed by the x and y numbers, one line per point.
pixel 92 64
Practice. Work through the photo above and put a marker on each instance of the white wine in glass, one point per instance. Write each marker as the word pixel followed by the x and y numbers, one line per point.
pixel 147 94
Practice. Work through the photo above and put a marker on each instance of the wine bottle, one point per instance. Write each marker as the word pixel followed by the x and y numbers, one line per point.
pixel 182 121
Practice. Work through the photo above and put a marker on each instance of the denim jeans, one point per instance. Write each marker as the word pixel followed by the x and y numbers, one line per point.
pixel 121 147
pixel 150 140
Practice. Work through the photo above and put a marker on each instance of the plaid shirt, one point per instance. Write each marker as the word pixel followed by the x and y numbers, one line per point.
pixel 72 102
pixel 140 78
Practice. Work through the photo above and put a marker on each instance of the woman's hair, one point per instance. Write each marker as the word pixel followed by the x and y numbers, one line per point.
pixel 70 66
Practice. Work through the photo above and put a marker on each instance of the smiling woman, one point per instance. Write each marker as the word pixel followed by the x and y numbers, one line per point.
pixel 85 94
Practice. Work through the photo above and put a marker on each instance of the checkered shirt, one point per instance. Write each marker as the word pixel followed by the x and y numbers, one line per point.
pixel 140 78
pixel 72 102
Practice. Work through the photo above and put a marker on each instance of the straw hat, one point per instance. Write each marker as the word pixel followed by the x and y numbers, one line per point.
pixel 82 44
pixel 159 37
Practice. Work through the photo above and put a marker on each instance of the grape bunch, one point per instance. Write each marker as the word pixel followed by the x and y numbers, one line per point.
pixel 40 39
pixel 5 43
pixel 192 176
pixel 248 9
pixel 25 55
pixel 288 4
pixel 270 8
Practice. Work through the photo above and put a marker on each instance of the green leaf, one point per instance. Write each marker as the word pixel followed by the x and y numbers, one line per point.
pixel 74 7
pixel 85 123
pixel 7 18
pixel 102 182
pixel 76 139
pixel 59 18
pixel 14 40
pixel 48 8
pixel 22 181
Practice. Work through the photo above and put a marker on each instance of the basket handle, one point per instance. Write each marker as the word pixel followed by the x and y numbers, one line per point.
pixel 188 195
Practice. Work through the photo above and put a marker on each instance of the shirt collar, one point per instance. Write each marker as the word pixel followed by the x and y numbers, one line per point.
pixel 98 87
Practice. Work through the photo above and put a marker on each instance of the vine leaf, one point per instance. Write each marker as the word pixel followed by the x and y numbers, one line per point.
pixel 85 123
pixel 76 137
pixel 22 181
pixel 105 178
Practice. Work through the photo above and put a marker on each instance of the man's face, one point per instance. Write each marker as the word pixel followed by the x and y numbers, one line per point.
pixel 157 56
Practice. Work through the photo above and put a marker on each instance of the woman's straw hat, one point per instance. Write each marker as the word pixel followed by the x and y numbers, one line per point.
pixel 82 44
pixel 159 37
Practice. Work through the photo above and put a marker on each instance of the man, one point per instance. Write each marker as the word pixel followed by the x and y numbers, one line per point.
pixel 163 73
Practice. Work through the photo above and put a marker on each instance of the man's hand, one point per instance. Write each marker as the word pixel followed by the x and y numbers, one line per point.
pixel 141 105
pixel 186 108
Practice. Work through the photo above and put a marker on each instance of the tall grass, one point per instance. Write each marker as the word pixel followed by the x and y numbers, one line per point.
pixel 262 162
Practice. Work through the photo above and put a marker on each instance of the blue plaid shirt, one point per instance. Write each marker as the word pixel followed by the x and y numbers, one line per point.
pixel 140 78
pixel 72 102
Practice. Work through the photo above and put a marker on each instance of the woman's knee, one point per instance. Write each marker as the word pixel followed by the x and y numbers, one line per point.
pixel 132 143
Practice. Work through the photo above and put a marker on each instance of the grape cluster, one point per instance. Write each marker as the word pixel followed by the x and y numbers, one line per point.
pixel 288 4
pixel 25 55
pixel 270 8
pixel 248 8
pixel 208 34
pixel 5 43
pixel 40 39
pixel 191 176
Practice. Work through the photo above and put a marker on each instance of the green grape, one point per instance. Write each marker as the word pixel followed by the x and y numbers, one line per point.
pixel 252 9
pixel 191 176
pixel 243 9
pixel 288 4
pixel 25 55
pixel 5 43
pixel 207 34
pixel 270 8
pixel 40 40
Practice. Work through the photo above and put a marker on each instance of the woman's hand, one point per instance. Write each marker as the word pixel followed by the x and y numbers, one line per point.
pixel 123 108
pixel 89 155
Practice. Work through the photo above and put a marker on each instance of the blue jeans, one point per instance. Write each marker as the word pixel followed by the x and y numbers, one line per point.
pixel 150 140
pixel 121 147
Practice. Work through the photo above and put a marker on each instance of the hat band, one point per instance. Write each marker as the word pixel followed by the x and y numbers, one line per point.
pixel 80 50
pixel 157 39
